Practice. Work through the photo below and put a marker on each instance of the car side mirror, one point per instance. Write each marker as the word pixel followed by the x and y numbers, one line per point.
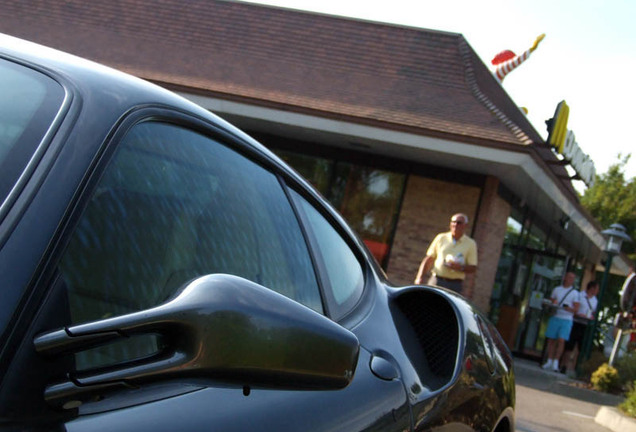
pixel 218 329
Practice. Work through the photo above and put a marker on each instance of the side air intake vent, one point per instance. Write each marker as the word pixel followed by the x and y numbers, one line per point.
pixel 429 330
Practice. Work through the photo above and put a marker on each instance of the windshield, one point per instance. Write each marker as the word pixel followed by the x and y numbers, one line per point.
pixel 29 102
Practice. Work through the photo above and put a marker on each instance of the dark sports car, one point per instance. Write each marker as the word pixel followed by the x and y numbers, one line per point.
pixel 163 271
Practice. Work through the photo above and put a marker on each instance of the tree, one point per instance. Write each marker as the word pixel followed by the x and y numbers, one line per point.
pixel 612 199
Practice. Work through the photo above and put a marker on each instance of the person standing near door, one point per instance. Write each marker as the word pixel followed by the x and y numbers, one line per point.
pixel 567 301
pixel 585 314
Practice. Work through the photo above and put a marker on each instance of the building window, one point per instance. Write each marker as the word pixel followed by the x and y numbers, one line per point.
pixel 367 197
pixel 537 238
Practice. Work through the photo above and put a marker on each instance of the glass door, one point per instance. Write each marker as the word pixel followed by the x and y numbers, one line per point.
pixel 545 272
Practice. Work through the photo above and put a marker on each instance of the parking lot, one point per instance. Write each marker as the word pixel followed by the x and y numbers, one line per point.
pixel 548 401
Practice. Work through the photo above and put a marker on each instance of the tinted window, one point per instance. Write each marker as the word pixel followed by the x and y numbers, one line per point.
pixel 171 206
pixel 28 104
pixel 342 268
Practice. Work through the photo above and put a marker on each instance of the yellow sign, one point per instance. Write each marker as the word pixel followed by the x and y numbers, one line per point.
pixel 565 144
pixel 558 126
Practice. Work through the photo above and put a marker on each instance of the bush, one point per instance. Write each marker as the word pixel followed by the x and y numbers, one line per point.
pixel 606 379
pixel 597 358
pixel 626 367
pixel 629 405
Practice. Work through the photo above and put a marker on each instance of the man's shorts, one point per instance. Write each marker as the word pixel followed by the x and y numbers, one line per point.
pixel 451 284
pixel 576 336
pixel 558 328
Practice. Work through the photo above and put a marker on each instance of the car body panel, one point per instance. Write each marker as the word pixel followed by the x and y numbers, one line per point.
pixel 395 386
pixel 266 409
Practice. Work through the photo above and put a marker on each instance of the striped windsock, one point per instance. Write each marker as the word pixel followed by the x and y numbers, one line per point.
pixel 505 68
pixel 507 61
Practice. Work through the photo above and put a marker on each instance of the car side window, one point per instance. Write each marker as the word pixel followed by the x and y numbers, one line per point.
pixel 344 274
pixel 173 205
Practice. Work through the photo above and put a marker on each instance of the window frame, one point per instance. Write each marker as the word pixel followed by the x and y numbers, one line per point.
pixel 332 309
pixel 209 130
pixel 52 292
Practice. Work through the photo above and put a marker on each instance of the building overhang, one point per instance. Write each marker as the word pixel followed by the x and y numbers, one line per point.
pixel 517 167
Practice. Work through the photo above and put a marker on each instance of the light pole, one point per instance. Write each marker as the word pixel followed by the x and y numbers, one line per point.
pixel 615 236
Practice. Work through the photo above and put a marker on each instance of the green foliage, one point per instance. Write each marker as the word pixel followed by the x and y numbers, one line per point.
pixel 597 358
pixel 606 379
pixel 626 367
pixel 612 199
pixel 609 310
pixel 629 405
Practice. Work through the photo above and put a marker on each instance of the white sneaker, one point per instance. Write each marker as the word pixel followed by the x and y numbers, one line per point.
pixel 547 365
pixel 555 367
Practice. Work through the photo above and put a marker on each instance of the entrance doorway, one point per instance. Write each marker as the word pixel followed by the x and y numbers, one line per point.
pixel 525 279
pixel 543 274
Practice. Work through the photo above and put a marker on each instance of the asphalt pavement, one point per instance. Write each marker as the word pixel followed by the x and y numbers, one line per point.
pixel 552 401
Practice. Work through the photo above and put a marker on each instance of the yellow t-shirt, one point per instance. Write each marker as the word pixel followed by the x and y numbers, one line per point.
pixel 445 248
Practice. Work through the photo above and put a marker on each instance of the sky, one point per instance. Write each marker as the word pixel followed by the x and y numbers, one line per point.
pixel 588 57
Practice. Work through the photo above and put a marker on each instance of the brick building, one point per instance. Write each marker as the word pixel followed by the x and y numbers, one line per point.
pixel 398 127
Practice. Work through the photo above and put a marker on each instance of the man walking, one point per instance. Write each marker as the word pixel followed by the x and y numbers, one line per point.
pixel 567 301
pixel 451 256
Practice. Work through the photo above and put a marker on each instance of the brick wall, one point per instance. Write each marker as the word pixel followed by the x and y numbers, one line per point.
pixel 489 234
pixel 426 210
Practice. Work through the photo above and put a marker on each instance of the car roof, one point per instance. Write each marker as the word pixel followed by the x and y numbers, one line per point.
pixel 91 78
pixel 74 69
pixel 60 63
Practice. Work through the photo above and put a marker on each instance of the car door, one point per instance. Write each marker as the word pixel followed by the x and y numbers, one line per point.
pixel 172 200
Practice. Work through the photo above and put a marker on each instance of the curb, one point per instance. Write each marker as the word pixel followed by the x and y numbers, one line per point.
pixel 532 375
pixel 588 395
pixel 613 419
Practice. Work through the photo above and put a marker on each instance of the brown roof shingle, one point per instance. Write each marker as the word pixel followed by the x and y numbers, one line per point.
pixel 398 76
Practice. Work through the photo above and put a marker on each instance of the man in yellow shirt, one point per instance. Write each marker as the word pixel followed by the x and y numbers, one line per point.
pixel 451 256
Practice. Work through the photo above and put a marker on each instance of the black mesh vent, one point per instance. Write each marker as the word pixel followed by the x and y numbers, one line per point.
pixel 432 322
